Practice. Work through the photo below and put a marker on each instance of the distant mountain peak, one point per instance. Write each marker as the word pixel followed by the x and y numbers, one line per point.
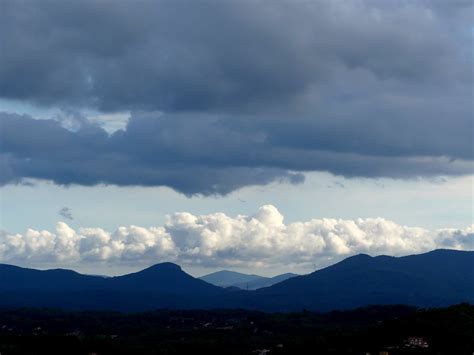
pixel 225 278
pixel 231 273
pixel 360 256
pixel 168 266
pixel 155 272
pixel 354 259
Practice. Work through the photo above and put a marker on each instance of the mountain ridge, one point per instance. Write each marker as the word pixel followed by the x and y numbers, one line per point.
pixel 227 278
pixel 436 278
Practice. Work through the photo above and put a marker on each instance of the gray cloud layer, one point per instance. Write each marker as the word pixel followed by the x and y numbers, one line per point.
pixel 205 158
pixel 250 92
pixel 217 240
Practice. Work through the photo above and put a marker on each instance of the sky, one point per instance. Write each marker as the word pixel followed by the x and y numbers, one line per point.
pixel 258 136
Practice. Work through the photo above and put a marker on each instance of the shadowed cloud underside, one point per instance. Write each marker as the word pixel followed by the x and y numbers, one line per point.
pixel 359 89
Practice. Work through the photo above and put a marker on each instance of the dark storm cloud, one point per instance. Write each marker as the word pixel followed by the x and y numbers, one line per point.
pixel 219 55
pixel 193 155
pixel 152 151
pixel 250 92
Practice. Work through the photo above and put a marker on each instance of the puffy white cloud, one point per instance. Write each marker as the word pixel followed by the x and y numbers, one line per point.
pixel 219 240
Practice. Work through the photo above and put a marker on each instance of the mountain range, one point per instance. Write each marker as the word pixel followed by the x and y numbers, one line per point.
pixel 226 278
pixel 437 278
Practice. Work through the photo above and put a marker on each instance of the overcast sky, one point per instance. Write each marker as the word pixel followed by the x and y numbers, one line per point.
pixel 115 114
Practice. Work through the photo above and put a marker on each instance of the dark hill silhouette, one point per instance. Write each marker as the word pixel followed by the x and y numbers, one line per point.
pixel 14 278
pixel 164 277
pixel 160 286
pixel 438 278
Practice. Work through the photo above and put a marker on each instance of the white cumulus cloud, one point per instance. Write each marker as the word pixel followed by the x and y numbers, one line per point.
pixel 218 240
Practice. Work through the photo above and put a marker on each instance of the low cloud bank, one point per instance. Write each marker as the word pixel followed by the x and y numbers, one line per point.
pixel 218 240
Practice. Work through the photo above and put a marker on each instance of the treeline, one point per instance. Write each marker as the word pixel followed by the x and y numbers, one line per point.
pixel 395 329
